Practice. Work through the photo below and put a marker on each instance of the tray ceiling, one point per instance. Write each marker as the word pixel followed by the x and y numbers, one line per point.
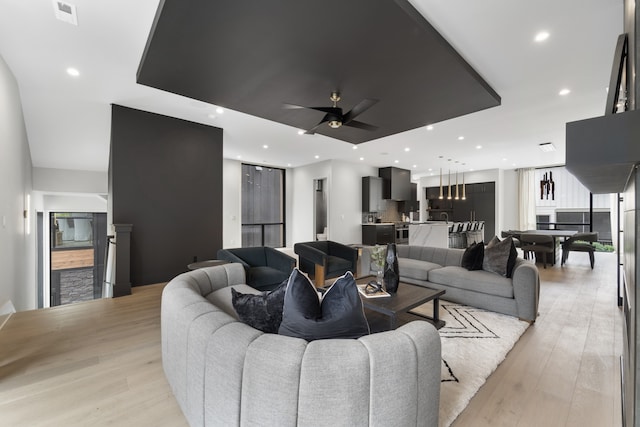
pixel 253 57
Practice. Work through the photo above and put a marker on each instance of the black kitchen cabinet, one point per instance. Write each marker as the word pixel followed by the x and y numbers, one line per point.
pixel 480 205
pixel 411 205
pixel 434 192
pixel 396 183
pixel 378 234
pixel 372 194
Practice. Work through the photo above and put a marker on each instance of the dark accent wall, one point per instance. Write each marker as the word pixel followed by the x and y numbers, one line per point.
pixel 165 179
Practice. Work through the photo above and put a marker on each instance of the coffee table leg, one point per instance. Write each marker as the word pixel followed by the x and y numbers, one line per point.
pixel 436 314
pixel 392 322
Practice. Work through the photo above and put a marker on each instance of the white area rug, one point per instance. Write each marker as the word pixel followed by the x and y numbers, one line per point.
pixel 474 343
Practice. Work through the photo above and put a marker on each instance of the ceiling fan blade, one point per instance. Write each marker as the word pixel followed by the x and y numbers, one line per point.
pixel 360 125
pixel 312 131
pixel 300 107
pixel 360 108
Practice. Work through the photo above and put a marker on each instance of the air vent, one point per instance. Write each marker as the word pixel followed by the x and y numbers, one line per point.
pixel 65 12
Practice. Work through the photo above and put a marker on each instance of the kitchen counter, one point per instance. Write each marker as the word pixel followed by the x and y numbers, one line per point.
pixel 435 234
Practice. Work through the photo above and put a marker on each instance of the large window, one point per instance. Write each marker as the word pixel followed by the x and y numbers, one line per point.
pixel 263 219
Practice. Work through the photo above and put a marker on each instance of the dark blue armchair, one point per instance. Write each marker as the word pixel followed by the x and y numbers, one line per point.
pixel 265 267
pixel 325 259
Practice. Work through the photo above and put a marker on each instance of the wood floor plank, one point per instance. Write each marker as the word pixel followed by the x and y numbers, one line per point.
pixel 99 363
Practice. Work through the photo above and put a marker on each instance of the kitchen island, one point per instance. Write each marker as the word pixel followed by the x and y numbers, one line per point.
pixel 435 234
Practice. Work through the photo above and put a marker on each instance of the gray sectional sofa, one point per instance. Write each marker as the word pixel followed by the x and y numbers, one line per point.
pixel 226 373
pixel 439 268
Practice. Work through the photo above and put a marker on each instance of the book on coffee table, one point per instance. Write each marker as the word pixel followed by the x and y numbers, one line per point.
pixel 379 294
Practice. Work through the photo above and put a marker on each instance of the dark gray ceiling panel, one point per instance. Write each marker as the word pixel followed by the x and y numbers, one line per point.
pixel 253 56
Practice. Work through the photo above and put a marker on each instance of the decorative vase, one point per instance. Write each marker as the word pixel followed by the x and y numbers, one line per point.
pixel 380 277
pixel 391 272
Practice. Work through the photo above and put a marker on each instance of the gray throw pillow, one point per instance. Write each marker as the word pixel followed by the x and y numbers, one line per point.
pixel 496 257
pixel 337 314
pixel 262 311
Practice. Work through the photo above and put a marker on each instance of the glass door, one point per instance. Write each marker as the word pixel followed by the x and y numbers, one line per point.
pixel 77 252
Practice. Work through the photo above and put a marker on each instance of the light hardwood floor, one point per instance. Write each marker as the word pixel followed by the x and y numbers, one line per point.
pixel 98 363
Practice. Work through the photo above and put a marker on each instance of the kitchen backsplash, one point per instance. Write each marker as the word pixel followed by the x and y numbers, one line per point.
pixel 389 214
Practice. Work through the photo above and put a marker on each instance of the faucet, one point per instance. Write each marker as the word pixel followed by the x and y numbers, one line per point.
pixel 445 216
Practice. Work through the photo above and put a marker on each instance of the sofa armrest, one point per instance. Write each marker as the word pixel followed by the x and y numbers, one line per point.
pixel 279 260
pixel 226 255
pixel 311 254
pixel 526 290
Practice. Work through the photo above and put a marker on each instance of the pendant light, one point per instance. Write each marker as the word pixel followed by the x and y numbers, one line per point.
pixel 457 189
pixel 464 192
pixel 441 195
pixel 449 193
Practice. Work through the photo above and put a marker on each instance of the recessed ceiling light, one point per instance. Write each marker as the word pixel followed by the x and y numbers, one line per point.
pixel 73 72
pixel 407 149
pixel 547 147
pixel 504 159
pixel 239 156
pixel 220 110
pixel 415 166
pixel 288 165
pixel 541 36
pixel 460 138
pixel 265 146
pixel 300 132
pixel 355 147
pixel 361 158
pixel 430 127
pixel 564 92
pixel 396 161
pixel 430 169
pixel 478 147
pixel 211 116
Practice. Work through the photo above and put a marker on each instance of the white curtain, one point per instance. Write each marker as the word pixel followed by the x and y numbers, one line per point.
pixel 526 199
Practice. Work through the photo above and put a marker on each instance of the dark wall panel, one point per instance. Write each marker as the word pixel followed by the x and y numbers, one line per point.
pixel 166 180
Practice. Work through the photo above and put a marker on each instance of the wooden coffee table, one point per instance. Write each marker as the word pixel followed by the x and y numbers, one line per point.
pixel 406 298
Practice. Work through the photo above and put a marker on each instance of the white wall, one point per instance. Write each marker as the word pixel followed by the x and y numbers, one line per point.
pixel 17 248
pixel 69 181
pixel 231 203
pixel 570 194
pixel 344 205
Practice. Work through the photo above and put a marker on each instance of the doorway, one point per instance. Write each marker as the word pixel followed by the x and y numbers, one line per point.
pixel 77 256
pixel 320 226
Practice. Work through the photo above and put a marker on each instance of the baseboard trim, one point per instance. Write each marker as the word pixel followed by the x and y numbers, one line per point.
pixel 4 318
pixel 6 310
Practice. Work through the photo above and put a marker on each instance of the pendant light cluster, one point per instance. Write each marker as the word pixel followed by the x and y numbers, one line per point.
pixel 449 196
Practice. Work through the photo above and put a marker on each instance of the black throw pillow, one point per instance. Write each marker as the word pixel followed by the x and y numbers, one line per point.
pixel 513 255
pixel 261 311
pixel 473 256
pixel 338 313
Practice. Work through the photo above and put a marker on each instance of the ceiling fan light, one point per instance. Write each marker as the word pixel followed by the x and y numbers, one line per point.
pixel 335 124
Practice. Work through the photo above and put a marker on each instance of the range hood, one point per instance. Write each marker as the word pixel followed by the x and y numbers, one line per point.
pixel 603 151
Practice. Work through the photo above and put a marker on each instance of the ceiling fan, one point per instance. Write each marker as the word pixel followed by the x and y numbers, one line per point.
pixel 334 117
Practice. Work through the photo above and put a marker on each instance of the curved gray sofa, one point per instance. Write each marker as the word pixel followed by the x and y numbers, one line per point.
pixel 226 373
pixel 439 268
